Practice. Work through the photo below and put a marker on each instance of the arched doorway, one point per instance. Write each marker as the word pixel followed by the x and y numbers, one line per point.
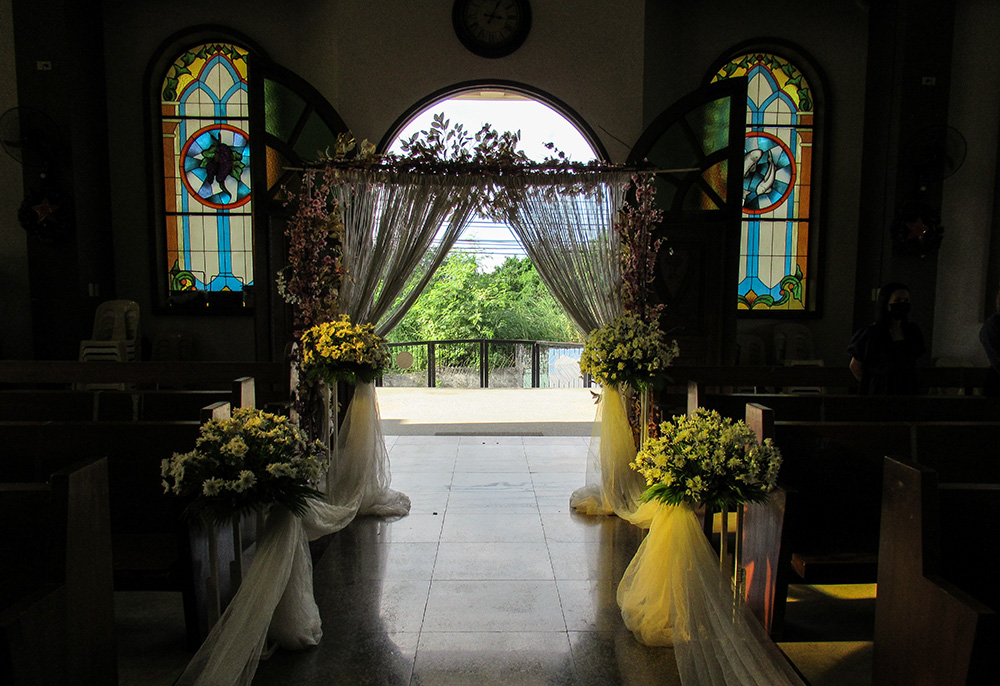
pixel 547 128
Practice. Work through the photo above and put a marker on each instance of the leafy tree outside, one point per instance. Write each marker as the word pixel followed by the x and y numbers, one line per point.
pixel 463 301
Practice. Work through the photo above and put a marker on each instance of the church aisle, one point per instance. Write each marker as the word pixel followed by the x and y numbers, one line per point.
pixel 489 580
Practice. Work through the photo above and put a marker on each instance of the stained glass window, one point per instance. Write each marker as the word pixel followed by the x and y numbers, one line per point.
pixel 205 116
pixel 777 174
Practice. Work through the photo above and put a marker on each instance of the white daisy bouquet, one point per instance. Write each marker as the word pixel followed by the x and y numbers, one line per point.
pixel 248 462
pixel 343 351
pixel 628 351
pixel 705 458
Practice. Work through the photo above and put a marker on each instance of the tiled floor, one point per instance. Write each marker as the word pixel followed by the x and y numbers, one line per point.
pixel 489 580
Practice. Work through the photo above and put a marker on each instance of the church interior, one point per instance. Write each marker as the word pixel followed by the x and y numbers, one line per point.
pixel 903 113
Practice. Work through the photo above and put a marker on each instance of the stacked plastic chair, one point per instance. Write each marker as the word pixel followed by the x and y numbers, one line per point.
pixel 116 333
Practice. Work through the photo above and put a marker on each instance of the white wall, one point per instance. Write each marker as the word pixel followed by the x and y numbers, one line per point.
pixel 967 209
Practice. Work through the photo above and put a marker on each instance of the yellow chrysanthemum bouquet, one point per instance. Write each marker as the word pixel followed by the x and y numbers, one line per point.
pixel 706 458
pixel 628 351
pixel 342 351
pixel 248 462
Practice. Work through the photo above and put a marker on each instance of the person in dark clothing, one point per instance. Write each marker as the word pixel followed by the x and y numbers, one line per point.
pixel 884 354
pixel 989 336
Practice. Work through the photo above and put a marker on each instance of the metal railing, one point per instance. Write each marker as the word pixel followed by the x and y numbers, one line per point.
pixel 485 363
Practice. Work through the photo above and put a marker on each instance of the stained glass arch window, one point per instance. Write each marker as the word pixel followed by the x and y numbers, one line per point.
pixel 777 243
pixel 208 203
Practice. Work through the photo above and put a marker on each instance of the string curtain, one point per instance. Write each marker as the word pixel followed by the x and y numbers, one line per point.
pixel 398 229
pixel 567 227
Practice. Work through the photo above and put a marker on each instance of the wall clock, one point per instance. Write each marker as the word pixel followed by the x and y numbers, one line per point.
pixel 492 28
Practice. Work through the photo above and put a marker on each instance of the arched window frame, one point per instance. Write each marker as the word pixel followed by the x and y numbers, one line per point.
pixel 168 299
pixel 809 280
pixel 499 84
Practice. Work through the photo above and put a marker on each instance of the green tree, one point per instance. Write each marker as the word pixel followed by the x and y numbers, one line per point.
pixel 462 301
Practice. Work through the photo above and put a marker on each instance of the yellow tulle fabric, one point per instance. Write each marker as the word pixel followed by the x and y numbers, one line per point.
pixel 612 487
pixel 674 594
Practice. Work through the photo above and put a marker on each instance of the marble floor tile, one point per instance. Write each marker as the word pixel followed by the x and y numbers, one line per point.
pixel 465 441
pixel 354 605
pixel 493 482
pixel 479 528
pixel 501 462
pixel 359 658
pixel 489 580
pixel 553 504
pixel 421 480
pixel 589 604
pixel 577 528
pixel 427 502
pixel 492 561
pixel 391 561
pixel 484 502
pixel 522 658
pixel 414 528
pixel 556 440
pixel 485 606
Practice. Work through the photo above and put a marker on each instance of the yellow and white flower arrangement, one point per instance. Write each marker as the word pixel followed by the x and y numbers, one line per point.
pixel 248 462
pixel 342 351
pixel 705 458
pixel 628 351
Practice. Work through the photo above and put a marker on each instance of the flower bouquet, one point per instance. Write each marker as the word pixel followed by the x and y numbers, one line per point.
pixel 705 458
pixel 342 351
pixel 627 351
pixel 244 463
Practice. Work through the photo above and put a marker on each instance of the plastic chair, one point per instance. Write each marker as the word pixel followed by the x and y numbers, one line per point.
pixel 116 333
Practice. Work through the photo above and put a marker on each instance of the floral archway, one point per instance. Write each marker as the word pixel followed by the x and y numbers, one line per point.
pixel 365 238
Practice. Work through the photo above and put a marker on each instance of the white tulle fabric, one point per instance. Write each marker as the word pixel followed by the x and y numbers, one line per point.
pixel 673 593
pixel 359 473
pixel 611 486
pixel 274 600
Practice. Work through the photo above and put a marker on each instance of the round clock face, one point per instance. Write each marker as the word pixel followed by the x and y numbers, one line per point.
pixel 492 28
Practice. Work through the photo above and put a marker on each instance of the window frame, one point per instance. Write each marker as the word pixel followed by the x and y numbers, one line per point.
pixel 202 302
pixel 807 66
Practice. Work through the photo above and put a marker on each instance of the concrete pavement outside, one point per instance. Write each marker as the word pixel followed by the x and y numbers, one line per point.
pixel 487 411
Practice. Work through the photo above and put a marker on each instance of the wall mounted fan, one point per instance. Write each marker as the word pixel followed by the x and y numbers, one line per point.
pixel 933 154
pixel 929 156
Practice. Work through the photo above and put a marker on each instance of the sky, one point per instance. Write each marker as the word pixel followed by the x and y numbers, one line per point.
pixel 538 124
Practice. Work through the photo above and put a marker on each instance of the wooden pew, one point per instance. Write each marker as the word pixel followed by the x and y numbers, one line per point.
pixel 122 406
pixel 56 579
pixel 851 408
pixel 153 547
pixel 936 612
pixel 766 550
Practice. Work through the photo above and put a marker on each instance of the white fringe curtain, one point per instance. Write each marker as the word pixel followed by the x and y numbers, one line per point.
pixel 571 240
